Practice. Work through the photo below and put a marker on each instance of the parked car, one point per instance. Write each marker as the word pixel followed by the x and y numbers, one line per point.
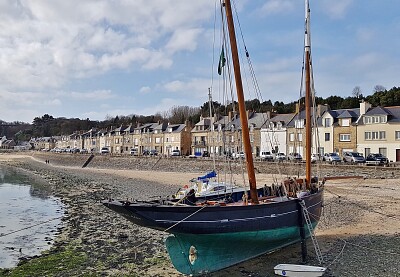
pixel 353 157
pixel 84 151
pixel 279 157
pixel 294 157
pixel 104 150
pixel 266 156
pixel 376 159
pixel 206 153
pixel 153 152
pixel 332 157
pixel 316 157
pixel 175 153
pixel 134 152
pixel 238 155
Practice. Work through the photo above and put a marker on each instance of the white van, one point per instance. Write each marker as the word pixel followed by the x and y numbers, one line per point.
pixel 266 156
pixel 134 152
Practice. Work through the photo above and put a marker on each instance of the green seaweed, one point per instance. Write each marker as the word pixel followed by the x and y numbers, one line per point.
pixel 57 263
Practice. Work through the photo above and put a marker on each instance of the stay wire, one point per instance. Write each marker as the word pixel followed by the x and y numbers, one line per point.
pixel 29 227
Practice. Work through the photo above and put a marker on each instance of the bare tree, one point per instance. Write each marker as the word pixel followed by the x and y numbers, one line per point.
pixel 357 92
pixel 379 88
pixel 178 114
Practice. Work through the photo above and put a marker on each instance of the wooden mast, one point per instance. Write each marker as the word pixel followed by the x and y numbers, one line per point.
pixel 307 49
pixel 242 107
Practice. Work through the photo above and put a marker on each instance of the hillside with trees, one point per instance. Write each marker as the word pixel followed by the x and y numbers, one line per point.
pixel 47 125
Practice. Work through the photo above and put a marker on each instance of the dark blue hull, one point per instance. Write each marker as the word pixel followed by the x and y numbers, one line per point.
pixel 218 219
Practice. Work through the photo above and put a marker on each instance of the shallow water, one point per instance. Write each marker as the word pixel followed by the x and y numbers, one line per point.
pixel 29 218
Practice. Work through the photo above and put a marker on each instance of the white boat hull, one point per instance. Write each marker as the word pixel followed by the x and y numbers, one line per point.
pixel 299 270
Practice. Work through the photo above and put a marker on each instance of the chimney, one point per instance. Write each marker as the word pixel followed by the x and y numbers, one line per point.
pixel 297 108
pixel 322 108
pixel 364 107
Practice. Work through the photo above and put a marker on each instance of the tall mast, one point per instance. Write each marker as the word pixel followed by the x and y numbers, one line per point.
pixel 307 49
pixel 242 107
pixel 212 128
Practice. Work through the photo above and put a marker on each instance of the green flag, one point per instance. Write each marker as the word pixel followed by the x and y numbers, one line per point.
pixel 222 60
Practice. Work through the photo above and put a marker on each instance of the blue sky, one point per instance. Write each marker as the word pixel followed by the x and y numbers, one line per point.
pixel 99 58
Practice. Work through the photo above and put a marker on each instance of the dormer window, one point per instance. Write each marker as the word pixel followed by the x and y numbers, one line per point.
pixel 345 122
pixel 327 122
pixel 170 129
pixel 271 125
pixel 279 125
pixel 219 127
pixel 299 123
pixel 251 128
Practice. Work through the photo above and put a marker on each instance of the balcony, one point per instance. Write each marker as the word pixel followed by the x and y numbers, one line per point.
pixel 198 143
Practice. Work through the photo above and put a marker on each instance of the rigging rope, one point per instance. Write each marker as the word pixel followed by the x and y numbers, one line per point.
pixel 25 228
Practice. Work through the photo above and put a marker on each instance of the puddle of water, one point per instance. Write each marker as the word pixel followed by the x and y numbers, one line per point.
pixel 32 213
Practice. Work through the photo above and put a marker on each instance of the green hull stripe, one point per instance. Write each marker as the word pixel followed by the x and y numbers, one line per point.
pixel 217 251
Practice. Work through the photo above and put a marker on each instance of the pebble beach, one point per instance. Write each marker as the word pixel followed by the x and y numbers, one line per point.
pixel 359 232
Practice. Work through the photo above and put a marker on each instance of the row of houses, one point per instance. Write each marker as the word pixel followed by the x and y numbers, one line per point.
pixel 364 129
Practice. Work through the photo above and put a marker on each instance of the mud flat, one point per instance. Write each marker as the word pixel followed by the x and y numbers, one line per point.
pixel 358 233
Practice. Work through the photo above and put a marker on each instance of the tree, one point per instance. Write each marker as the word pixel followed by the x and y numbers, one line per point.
pixel 357 93
pixel 378 88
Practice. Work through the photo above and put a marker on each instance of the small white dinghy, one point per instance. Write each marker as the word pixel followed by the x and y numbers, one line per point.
pixel 299 270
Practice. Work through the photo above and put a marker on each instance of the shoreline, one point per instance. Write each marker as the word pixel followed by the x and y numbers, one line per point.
pixel 365 214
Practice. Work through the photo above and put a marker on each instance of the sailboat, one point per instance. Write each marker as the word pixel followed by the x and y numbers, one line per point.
pixel 208 237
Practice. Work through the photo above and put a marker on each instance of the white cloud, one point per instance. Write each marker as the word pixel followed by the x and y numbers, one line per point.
pixel 336 9
pixel 183 39
pixel 194 88
pixel 49 43
pixel 277 6
pixel 145 90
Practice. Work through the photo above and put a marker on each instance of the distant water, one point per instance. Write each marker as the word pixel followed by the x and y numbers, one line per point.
pixel 24 207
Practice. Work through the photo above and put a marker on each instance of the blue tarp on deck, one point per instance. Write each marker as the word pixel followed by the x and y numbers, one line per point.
pixel 208 176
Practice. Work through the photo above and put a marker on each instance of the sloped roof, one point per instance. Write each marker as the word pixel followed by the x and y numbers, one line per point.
pixel 377 111
pixel 176 128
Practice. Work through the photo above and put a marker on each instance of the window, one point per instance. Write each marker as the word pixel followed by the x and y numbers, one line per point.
pixel 346 122
pixel 327 136
pixel 300 137
pixel 279 125
pixel 375 119
pixel 299 123
pixel 291 137
pixel 158 140
pixel 376 135
pixel 383 151
pixel 397 134
pixel 344 137
pixel 251 138
pixel 327 122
